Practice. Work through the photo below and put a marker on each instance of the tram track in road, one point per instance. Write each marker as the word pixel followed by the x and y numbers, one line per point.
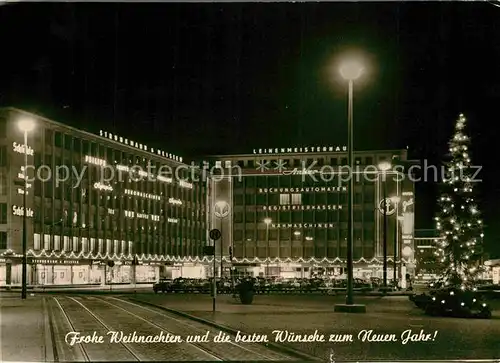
pixel 134 327
pixel 229 351
pixel 78 318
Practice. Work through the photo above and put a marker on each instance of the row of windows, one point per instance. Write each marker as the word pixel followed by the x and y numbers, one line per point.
pixel 76 145
pixel 330 234
pixel 318 216
pixel 305 199
pixel 332 251
pixel 103 246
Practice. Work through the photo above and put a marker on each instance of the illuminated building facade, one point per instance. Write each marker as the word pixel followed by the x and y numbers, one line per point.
pixel 289 211
pixel 427 262
pixel 93 199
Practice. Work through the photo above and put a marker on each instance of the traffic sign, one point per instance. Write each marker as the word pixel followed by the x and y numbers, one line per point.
pixel 215 234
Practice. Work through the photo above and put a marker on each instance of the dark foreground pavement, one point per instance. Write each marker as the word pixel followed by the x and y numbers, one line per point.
pixel 450 338
pixel 26 336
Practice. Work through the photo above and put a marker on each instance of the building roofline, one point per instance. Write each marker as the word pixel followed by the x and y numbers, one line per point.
pixel 89 134
pixel 306 153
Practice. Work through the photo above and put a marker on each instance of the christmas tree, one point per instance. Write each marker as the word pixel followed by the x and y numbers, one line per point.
pixel 458 220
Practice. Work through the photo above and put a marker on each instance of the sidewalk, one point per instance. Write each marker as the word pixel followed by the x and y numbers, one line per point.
pixel 79 288
pixel 24 329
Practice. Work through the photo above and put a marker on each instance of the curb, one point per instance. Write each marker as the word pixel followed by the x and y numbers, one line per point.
pixel 304 357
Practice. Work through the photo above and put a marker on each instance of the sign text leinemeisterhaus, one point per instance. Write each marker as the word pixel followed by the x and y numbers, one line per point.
pixel 289 150
pixel 303 190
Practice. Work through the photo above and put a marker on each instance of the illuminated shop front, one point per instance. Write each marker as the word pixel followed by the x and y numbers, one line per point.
pixel 91 199
pixel 289 212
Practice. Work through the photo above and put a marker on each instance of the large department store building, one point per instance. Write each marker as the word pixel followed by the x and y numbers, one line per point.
pixel 115 201
pixel 288 211
pixel 105 209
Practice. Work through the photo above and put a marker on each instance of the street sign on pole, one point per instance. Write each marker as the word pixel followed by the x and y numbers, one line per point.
pixel 215 234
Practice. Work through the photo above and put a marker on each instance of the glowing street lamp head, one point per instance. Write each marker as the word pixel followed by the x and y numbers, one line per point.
pixel 384 166
pixel 395 199
pixel 268 221
pixel 351 70
pixel 26 125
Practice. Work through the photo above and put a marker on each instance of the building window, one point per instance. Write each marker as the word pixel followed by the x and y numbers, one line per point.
pixel 284 199
pixel 333 161
pixel 369 160
pixel 343 161
pixel 65 243
pixel 3 127
pixel 296 198
pixel 46 242
pixel 3 240
pixel 3 155
pixel 57 243
pixel 3 184
pixel 3 213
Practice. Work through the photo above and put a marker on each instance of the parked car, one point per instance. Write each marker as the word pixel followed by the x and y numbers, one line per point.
pixel 163 285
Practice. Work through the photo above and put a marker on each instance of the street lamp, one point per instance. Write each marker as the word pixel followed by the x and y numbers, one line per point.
pixel 25 125
pixel 268 221
pixel 395 200
pixel 350 71
pixel 384 166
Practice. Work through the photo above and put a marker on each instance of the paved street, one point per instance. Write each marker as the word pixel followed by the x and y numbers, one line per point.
pixel 35 329
pixel 456 338
pixel 112 329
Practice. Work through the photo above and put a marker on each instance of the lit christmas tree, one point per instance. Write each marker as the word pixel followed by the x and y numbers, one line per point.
pixel 458 220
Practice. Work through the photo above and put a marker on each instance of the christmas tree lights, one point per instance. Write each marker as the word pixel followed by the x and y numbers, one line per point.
pixel 458 220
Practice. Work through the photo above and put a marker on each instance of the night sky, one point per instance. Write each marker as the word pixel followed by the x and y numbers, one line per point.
pixel 199 79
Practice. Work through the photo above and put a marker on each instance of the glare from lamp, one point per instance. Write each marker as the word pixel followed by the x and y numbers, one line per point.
pixel 384 166
pixel 351 70
pixel 297 233
pixel 395 199
pixel 26 125
pixel 268 221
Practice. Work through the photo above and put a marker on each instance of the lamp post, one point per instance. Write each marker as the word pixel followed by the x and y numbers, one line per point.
pixel 384 167
pixel 268 221
pixel 350 71
pixel 25 126
pixel 395 200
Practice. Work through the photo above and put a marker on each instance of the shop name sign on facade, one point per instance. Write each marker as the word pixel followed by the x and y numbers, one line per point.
pixel 132 214
pixel 137 145
pixel 19 148
pixel 406 204
pixel 22 176
pixel 303 225
pixel 302 190
pixel 19 211
pixel 59 262
pixel 301 207
pixel 290 150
